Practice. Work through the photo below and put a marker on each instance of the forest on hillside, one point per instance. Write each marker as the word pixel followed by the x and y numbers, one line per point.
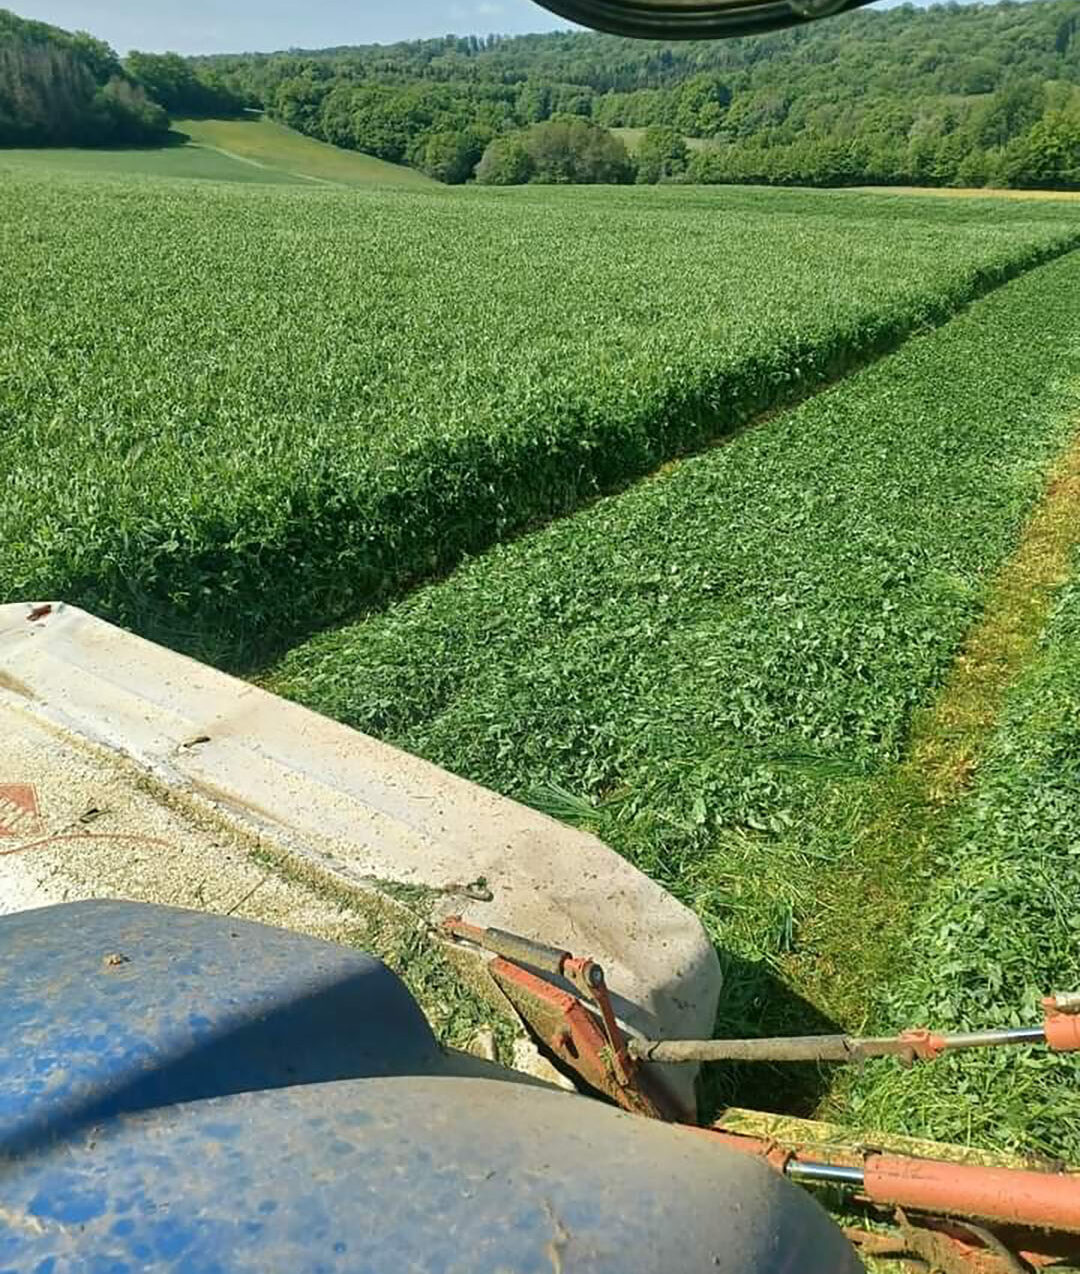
pixel 946 95
pixel 59 89
pixel 964 95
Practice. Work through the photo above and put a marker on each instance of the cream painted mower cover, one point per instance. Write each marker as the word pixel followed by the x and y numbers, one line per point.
pixel 88 712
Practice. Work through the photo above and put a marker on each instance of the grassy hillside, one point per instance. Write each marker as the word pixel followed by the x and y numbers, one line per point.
pixel 273 147
pixel 251 150
pixel 178 160
pixel 631 139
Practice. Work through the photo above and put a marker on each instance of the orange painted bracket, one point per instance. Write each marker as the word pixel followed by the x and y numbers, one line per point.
pixel 1062 1028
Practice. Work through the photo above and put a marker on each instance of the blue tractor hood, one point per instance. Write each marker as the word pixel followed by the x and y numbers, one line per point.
pixel 203 1095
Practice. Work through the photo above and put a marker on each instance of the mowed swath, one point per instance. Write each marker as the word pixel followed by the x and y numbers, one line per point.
pixel 997 928
pixel 230 414
pixel 708 668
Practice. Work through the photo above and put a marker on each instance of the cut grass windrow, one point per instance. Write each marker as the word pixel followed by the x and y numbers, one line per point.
pixel 232 415
pixel 711 668
pixel 997 924
pixel 897 822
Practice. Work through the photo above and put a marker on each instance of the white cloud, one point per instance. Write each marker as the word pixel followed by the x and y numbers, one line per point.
pixel 480 9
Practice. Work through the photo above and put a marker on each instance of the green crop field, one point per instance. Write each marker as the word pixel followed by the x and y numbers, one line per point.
pixel 672 511
pixel 998 925
pixel 230 414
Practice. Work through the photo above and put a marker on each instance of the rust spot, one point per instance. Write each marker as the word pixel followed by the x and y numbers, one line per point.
pixel 20 814
pixel 8 682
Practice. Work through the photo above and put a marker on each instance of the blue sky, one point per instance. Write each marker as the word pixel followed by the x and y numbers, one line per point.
pixel 233 26
pixel 242 26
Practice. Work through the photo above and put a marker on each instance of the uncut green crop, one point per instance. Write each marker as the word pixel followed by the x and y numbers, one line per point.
pixel 999 928
pixel 231 415
pixel 697 667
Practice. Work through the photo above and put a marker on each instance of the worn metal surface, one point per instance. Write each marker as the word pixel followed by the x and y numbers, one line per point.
pixel 839 1144
pixel 920 1248
pixel 98 832
pixel 1060 1032
pixel 187 1093
pixel 1039 1200
pixel 112 1006
pixel 1015 1213
pixel 1062 1024
pixel 561 1021
pixel 324 796
pixel 573 1033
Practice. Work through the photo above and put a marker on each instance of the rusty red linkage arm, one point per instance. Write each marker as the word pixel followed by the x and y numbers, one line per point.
pixel 596 1051
pixel 603 1056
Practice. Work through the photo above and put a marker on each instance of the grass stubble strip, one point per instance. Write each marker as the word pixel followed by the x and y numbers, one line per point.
pixel 901 817
pixel 974 843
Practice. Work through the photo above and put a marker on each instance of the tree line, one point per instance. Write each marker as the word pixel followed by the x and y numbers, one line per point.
pixel 64 89
pixel 946 95
pixel 58 89
pixel 971 95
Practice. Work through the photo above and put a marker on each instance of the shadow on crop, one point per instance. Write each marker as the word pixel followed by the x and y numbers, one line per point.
pixel 756 1003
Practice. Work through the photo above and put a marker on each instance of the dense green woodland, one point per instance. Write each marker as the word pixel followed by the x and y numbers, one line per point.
pixel 968 95
pixel 950 95
pixel 60 89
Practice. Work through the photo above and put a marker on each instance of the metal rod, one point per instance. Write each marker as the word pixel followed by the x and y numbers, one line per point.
pixel 797 1048
pixel 828 1048
pixel 1011 1196
pixel 993 1039
pixel 937 1187
pixel 832 1173
pixel 511 946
